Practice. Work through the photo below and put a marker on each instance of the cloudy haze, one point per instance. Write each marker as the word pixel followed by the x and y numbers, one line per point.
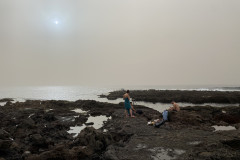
pixel 110 42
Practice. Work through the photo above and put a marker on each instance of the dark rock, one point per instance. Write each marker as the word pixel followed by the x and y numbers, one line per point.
pixel 94 139
pixel 166 96
pixel 28 123
pixel 234 143
pixel 5 144
pixel 88 124
pixel 4 135
pixel 45 135
pixel 37 142
pixel 110 154
pixel 49 117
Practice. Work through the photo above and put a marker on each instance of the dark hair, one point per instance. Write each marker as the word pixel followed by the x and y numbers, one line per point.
pixel 128 91
pixel 130 102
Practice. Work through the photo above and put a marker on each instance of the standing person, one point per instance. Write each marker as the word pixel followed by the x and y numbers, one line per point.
pixel 127 104
pixel 132 108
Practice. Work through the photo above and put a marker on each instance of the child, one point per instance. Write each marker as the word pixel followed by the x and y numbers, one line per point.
pixel 132 108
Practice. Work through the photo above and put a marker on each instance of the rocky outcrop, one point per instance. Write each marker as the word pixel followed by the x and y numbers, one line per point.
pixel 166 96
pixel 36 130
pixel 90 143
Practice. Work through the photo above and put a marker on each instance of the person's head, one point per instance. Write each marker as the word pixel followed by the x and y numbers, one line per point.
pixel 128 91
pixel 131 103
pixel 173 102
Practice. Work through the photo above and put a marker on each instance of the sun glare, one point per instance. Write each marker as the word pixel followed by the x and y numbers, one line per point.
pixel 56 22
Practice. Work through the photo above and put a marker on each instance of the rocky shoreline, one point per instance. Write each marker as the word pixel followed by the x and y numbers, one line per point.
pixel 37 130
pixel 166 96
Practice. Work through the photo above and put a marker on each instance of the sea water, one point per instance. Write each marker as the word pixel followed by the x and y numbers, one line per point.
pixel 73 93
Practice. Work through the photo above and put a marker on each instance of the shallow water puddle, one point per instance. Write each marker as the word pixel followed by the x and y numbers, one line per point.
pixel 98 123
pixel 48 110
pixel 140 146
pixel 76 130
pixel 165 153
pixel 194 142
pixel 79 111
pixel 64 119
pixel 223 128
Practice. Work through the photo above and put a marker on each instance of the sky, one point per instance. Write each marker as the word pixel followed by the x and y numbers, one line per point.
pixel 119 42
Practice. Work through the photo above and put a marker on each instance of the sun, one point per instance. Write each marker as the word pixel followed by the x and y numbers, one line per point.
pixel 56 22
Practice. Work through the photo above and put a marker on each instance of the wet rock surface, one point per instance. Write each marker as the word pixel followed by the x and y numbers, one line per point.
pixel 166 96
pixel 37 130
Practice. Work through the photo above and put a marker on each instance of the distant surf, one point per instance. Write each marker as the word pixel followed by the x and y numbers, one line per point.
pixel 73 93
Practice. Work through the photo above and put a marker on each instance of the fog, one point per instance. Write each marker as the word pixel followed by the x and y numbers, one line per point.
pixel 124 42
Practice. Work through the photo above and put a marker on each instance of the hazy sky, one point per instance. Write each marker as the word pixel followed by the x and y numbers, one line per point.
pixel 119 42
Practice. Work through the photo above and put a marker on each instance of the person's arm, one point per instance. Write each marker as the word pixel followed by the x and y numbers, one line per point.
pixel 133 108
pixel 128 97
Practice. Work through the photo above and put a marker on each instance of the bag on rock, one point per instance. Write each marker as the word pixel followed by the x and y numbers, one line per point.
pixel 139 111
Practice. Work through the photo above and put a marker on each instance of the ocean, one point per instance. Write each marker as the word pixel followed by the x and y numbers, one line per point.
pixel 73 93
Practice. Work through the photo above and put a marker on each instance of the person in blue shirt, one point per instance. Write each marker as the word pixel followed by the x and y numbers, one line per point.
pixel 127 105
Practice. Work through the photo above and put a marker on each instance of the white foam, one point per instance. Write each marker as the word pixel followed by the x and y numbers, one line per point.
pixel 2 103
pixel 223 128
pixel 14 101
pixel 18 100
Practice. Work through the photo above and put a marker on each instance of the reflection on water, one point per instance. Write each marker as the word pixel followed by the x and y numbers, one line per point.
pixel 98 123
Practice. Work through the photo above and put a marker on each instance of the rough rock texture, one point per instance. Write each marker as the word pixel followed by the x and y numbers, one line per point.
pixel 189 135
pixel 37 130
pixel 166 96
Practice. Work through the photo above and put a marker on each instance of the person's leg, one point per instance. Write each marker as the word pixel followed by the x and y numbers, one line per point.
pixel 127 112
pixel 131 113
pixel 159 123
